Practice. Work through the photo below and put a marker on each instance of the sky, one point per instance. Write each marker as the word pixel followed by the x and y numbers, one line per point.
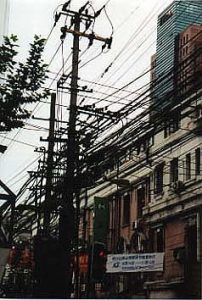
pixel 134 40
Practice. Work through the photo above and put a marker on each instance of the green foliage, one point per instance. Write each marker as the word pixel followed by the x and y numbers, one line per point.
pixel 20 83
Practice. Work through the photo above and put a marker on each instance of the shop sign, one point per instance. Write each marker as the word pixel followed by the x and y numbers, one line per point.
pixel 101 216
pixel 136 262
pixel 83 263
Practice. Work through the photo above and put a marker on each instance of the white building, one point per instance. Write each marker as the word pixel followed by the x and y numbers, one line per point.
pixel 165 197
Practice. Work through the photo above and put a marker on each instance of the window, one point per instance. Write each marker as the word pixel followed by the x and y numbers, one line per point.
pixel 186 50
pixel 147 190
pixel 158 179
pixel 165 17
pixel 126 209
pixel 141 195
pixel 158 239
pixel 172 125
pixel 187 37
pixel 197 161
pixel 151 141
pixel 198 111
pixel 191 239
pixel 188 166
pixel 174 170
pixel 112 166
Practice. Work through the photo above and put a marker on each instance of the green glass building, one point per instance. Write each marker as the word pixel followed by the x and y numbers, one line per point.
pixel 173 20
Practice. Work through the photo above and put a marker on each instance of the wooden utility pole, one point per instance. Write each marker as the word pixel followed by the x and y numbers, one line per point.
pixel 71 146
pixel 67 214
pixel 66 222
pixel 47 201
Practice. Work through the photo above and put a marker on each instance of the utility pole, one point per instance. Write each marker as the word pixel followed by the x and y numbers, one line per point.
pixel 47 202
pixel 66 222
pixel 67 219
pixel 68 192
pixel 47 259
pixel 11 198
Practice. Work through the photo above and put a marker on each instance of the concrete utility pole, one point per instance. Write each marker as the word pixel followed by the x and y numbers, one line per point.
pixel 67 221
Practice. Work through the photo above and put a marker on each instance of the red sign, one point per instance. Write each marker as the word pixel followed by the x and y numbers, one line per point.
pixel 83 263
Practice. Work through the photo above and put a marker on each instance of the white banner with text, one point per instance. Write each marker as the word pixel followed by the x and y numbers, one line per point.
pixel 136 262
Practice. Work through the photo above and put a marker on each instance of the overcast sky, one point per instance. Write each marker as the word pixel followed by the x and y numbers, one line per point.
pixel 134 23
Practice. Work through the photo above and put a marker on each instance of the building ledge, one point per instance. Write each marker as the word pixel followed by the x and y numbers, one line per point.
pixel 162 284
pixel 174 205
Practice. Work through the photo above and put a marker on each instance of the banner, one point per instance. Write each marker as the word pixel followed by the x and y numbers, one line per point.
pixel 136 262
pixel 100 225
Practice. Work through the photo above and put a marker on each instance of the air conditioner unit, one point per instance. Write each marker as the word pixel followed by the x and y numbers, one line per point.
pixel 177 186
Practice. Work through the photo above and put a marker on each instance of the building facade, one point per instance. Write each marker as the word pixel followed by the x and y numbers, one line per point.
pixel 153 191
pixel 172 21
pixel 159 209
pixel 189 59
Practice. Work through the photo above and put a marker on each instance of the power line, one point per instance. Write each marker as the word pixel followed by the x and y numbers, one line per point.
pixel 20 142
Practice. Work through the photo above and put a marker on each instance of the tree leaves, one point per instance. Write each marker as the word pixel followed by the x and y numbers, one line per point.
pixel 20 83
